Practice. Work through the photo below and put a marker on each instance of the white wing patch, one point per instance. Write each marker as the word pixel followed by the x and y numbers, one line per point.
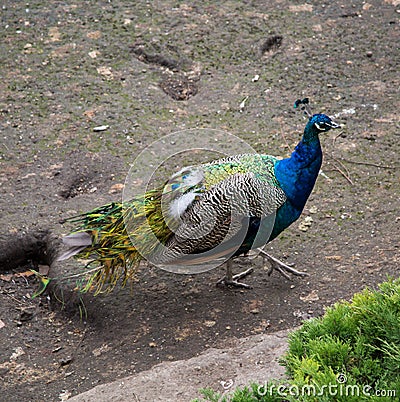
pixel 179 205
pixel 183 187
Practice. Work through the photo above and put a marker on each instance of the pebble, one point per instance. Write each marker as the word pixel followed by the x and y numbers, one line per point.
pixel 65 361
pixel 100 128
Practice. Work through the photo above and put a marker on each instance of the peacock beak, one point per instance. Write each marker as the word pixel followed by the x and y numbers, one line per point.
pixel 333 125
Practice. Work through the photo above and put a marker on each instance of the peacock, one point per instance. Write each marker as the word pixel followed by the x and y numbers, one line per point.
pixel 218 210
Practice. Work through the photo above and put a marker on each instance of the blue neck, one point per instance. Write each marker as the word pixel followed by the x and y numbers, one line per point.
pixel 296 176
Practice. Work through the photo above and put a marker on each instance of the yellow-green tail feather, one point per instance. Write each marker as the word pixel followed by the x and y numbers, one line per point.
pixel 112 228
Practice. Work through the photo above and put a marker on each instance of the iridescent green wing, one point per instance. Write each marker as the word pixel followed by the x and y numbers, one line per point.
pixel 247 172
pixel 213 208
pixel 261 166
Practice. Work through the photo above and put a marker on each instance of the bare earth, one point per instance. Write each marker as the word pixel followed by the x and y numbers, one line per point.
pixel 147 69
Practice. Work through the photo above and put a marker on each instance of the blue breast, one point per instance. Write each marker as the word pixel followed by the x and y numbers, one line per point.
pixel 296 176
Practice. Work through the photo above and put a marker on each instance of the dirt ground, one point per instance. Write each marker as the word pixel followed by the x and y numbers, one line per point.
pixel 146 69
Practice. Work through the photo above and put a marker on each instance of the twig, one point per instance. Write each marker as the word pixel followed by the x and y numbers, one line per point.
pixel 345 173
pixel 14 298
pixel 335 138
pixel 360 163
pixel 369 164
pixel 283 136
pixel 343 166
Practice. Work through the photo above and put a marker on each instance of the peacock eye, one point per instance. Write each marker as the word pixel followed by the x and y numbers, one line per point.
pixel 321 126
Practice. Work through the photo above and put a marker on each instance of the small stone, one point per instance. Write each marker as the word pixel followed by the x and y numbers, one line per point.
pixel 312 296
pixel 100 128
pixel 65 361
pixel 99 351
pixel 18 351
pixel 116 188
pixel 305 224
pixel 64 395
pixel 105 72
pixel 93 54
pixel 333 257
pixel 94 35
pixel 298 8
pixel 369 53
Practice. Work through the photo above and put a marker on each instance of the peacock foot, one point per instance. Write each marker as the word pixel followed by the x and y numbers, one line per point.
pixel 233 281
pixel 281 267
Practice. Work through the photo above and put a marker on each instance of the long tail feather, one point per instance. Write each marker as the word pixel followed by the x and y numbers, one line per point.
pixel 75 243
pixel 101 236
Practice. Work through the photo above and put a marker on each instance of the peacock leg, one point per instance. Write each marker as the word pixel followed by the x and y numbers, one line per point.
pixel 232 280
pixel 281 267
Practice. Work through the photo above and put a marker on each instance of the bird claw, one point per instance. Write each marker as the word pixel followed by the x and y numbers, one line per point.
pixel 233 281
pixel 281 267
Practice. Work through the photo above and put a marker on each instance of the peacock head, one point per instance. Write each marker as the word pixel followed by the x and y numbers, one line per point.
pixel 321 123
pixel 317 123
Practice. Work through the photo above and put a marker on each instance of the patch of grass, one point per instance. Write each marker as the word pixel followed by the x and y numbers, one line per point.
pixel 352 353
